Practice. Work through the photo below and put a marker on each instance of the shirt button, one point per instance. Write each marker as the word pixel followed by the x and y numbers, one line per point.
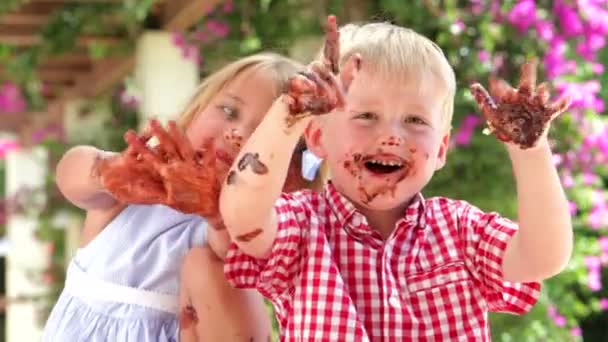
pixel 394 302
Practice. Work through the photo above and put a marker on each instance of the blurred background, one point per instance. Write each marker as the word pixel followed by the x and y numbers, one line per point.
pixel 84 71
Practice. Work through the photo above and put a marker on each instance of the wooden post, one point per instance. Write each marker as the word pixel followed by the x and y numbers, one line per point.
pixel 164 76
pixel 25 169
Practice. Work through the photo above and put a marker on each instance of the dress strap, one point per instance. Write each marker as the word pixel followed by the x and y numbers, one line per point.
pixel 84 286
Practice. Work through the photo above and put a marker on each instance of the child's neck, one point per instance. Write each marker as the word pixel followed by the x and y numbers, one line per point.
pixel 384 221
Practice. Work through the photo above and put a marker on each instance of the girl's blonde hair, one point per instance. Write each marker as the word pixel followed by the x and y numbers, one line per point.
pixel 278 67
pixel 396 51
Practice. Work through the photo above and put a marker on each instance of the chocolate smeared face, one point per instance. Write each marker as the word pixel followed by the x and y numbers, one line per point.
pixel 377 174
pixel 387 142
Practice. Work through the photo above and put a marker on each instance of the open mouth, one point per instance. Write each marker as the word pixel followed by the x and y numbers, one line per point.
pixel 380 166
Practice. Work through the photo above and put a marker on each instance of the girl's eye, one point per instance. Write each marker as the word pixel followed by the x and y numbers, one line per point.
pixel 231 113
pixel 366 116
pixel 415 120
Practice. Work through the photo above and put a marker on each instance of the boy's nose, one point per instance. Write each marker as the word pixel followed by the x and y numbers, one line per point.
pixel 391 140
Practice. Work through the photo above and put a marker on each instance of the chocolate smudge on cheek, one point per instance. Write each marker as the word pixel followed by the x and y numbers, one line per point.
pixel 247 237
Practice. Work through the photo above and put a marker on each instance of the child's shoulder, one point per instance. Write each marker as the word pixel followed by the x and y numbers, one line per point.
pixel 444 204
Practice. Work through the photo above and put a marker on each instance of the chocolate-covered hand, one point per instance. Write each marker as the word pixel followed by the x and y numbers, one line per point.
pixel 317 91
pixel 189 177
pixel 519 116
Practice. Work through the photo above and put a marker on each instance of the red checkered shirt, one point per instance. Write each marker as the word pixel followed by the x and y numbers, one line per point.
pixel 332 278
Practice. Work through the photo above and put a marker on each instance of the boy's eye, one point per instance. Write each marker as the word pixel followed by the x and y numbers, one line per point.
pixel 366 116
pixel 415 120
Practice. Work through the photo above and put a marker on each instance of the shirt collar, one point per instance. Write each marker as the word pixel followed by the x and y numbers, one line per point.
pixel 345 210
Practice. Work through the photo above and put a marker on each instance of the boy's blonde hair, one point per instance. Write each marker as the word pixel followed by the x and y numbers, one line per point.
pixel 396 51
pixel 278 67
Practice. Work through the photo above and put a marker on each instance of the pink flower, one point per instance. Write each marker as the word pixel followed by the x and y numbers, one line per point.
pixel 523 15
pixel 604 303
pixel 569 19
pixel 593 263
pixel 228 6
pixel 483 56
pixel 567 180
pixel 598 68
pixel 559 320
pixel 576 331
pixel 589 178
pixel 457 27
pixel 585 95
pixel 7 146
pixel 594 281
pixel 465 132
pixel 218 28
pixel 545 30
pixel 11 98
pixel 179 39
pixel 603 242
pixel 572 207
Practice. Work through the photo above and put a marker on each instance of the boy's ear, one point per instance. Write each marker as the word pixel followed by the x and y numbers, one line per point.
pixel 313 136
pixel 443 151
pixel 349 69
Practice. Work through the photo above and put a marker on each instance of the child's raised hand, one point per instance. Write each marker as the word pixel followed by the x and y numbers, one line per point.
pixel 189 177
pixel 520 116
pixel 127 178
pixel 317 91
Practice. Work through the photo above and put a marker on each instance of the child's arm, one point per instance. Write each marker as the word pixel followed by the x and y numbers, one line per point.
pixel 542 246
pixel 543 243
pixel 212 310
pixel 78 181
pixel 256 180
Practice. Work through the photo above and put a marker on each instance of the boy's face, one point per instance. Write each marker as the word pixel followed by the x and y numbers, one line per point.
pixel 385 145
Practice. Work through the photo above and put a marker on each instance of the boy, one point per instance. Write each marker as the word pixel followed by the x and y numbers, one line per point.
pixel 370 259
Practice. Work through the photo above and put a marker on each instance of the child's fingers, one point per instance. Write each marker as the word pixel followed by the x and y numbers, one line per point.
pixel 331 50
pixel 330 83
pixel 527 78
pixel 560 106
pixel 184 148
pixel 140 149
pixel 165 140
pixel 130 152
pixel 502 90
pixel 542 94
pixel 485 102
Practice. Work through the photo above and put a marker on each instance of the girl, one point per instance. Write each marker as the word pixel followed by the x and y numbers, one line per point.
pixel 122 284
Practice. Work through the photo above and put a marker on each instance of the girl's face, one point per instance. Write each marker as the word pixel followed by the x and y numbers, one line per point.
pixel 232 115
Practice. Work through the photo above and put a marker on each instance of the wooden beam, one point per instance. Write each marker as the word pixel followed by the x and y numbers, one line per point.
pixel 59 74
pixel 72 59
pixel 12 122
pixel 179 15
pixel 78 1
pixel 24 19
pixel 31 40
